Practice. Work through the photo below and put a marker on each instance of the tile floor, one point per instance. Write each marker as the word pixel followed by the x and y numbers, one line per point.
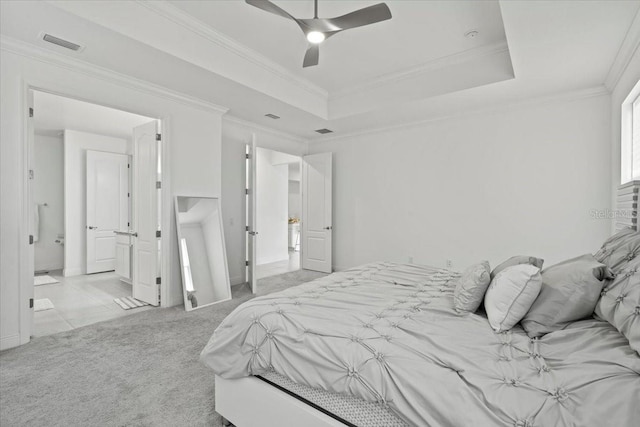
pixel 280 267
pixel 80 301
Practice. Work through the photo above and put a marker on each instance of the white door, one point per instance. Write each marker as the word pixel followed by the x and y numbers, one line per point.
pixel 251 232
pixel 316 213
pixel 146 286
pixel 107 207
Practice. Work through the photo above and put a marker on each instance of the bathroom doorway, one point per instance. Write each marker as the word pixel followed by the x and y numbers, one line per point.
pixel 85 181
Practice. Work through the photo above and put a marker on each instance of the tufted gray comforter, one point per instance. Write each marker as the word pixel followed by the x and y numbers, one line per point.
pixel 388 333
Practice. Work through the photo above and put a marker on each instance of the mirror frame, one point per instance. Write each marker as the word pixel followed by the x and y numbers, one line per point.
pixel 187 303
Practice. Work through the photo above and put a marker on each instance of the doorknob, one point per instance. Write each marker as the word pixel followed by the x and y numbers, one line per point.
pixel 92 228
pixel 253 233
pixel 328 228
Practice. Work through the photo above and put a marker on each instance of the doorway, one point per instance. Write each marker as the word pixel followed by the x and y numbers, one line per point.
pixel 288 208
pixel 278 212
pixel 86 190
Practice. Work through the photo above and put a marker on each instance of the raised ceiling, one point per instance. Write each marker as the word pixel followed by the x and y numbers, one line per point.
pixel 417 66
pixel 420 32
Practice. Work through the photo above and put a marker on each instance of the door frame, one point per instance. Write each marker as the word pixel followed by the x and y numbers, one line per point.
pixel 26 288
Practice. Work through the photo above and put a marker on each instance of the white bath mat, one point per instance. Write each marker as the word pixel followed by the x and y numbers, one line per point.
pixel 44 280
pixel 42 304
pixel 127 303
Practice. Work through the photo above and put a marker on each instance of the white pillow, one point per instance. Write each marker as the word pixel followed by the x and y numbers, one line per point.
pixel 511 294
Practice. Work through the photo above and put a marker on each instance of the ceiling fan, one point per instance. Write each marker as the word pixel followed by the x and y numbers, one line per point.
pixel 318 30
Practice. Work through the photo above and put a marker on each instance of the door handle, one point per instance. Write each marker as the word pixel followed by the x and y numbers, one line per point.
pixel 127 233
pixel 328 228
pixel 92 227
pixel 253 233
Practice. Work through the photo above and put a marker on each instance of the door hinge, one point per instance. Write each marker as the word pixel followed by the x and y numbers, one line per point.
pixel 158 233
pixel 246 191
pixel 128 166
pixel 128 224
pixel 158 280
pixel 246 263
pixel 30 302
pixel 30 239
pixel 158 137
pixel 30 112
pixel 31 174
pixel 246 228
pixel 128 194
pixel 158 185
pixel 247 156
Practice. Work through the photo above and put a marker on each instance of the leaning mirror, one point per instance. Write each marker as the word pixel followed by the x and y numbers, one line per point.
pixel 203 259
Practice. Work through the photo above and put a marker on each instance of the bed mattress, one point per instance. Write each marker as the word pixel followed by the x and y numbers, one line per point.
pixel 387 333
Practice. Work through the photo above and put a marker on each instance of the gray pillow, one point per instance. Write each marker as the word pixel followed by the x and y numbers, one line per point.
pixel 620 252
pixel 570 291
pixel 612 241
pixel 471 287
pixel 517 260
pixel 619 303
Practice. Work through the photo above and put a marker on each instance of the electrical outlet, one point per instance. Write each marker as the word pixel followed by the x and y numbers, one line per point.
pixel 449 263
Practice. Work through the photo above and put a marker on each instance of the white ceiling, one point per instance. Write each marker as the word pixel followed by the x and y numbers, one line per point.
pixel 249 61
pixel 418 33
pixel 54 114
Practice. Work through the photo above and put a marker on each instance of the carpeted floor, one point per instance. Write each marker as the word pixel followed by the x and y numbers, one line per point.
pixel 138 370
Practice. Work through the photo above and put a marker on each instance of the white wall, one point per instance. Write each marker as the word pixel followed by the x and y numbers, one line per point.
pixel 47 186
pixel 76 145
pixel 295 203
pixel 235 135
pixel 272 208
pixel 193 135
pixel 522 180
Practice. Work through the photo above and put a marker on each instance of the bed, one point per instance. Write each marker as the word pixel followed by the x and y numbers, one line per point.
pixel 387 334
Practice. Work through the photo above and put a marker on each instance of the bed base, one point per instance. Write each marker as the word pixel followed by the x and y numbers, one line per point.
pixel 250 401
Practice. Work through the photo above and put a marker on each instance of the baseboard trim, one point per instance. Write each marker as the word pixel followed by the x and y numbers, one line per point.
pixel 9 342
pixel 272 260
pixel 68 272
pixel 49 267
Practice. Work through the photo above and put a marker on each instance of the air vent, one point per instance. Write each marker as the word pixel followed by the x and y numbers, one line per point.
pixel 60 42
pixel 272 116
pixel 323 131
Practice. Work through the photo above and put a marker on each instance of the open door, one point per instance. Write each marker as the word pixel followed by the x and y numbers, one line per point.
pixel 317 226
pixel 251 233
pixel 107 207
pixel 145 280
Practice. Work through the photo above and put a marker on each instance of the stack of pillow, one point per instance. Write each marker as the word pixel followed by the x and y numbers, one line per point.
pixel 543 301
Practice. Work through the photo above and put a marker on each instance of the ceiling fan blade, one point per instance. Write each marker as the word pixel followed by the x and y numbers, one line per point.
pixel 267 6
pixel 312 56
pixel 368 15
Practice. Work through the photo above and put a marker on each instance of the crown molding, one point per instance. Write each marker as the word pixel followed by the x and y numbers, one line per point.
pixel 29 50
pixel 258 127
pixel 189 22
pixel 627 50
pixel 439 63
pixel 569 96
